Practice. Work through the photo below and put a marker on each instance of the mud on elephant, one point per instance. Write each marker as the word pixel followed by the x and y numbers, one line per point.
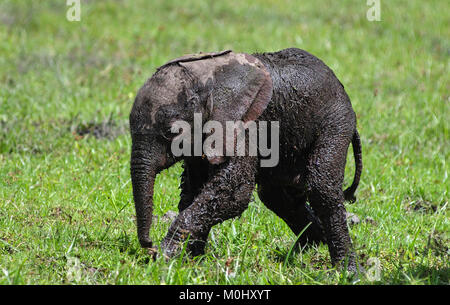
pixel 316 126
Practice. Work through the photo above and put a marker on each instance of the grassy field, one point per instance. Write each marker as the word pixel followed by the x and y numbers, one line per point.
pixel 66 90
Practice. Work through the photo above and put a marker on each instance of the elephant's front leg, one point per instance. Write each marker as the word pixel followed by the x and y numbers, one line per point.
pixel 193 178
pixel 225 195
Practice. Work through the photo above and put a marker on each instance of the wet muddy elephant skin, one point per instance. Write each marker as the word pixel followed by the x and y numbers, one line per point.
pixel 317 125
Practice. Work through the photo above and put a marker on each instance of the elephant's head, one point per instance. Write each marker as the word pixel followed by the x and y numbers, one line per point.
pixel 223 86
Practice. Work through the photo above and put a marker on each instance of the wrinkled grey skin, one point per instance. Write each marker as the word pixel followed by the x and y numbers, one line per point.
pixel 317 124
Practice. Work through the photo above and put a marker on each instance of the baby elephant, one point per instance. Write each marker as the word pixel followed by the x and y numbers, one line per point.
pixel 316 124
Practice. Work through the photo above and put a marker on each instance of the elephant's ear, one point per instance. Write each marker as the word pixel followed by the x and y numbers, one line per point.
pixel 240 86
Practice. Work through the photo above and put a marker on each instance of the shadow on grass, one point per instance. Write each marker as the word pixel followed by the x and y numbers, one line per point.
pixel 290 255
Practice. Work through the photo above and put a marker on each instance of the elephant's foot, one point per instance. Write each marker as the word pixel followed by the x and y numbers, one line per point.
pixel 170 248
pixel 153 252
pixel 173 244
pixel 348 263
pixel 352 269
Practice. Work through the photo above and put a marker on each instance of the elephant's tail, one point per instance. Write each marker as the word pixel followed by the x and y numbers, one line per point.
pixel 349 193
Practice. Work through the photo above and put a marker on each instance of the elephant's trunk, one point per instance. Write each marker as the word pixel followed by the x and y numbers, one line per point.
pixel 148 158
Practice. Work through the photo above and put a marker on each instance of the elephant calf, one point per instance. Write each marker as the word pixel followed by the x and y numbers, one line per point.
pixel 316 126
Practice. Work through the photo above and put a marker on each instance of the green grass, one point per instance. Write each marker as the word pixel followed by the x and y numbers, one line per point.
pixel 66 209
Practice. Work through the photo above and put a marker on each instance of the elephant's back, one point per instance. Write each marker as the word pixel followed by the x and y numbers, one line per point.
pixel 302 83
pixel 297 74
pixel 305 93
pixel 291 57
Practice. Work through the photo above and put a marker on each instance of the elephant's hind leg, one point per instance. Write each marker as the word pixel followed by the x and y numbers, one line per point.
pixel 325 175
pixel 290 205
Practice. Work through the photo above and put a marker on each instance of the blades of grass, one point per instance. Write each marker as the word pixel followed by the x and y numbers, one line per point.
pixel 114 218
pixel 413 243
pixel 6 273
pixel 73 242
pixel 244 252
pixel 183 251
pixel 17 275
pixel 313 281
pixel 9 245
pixel 286 261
